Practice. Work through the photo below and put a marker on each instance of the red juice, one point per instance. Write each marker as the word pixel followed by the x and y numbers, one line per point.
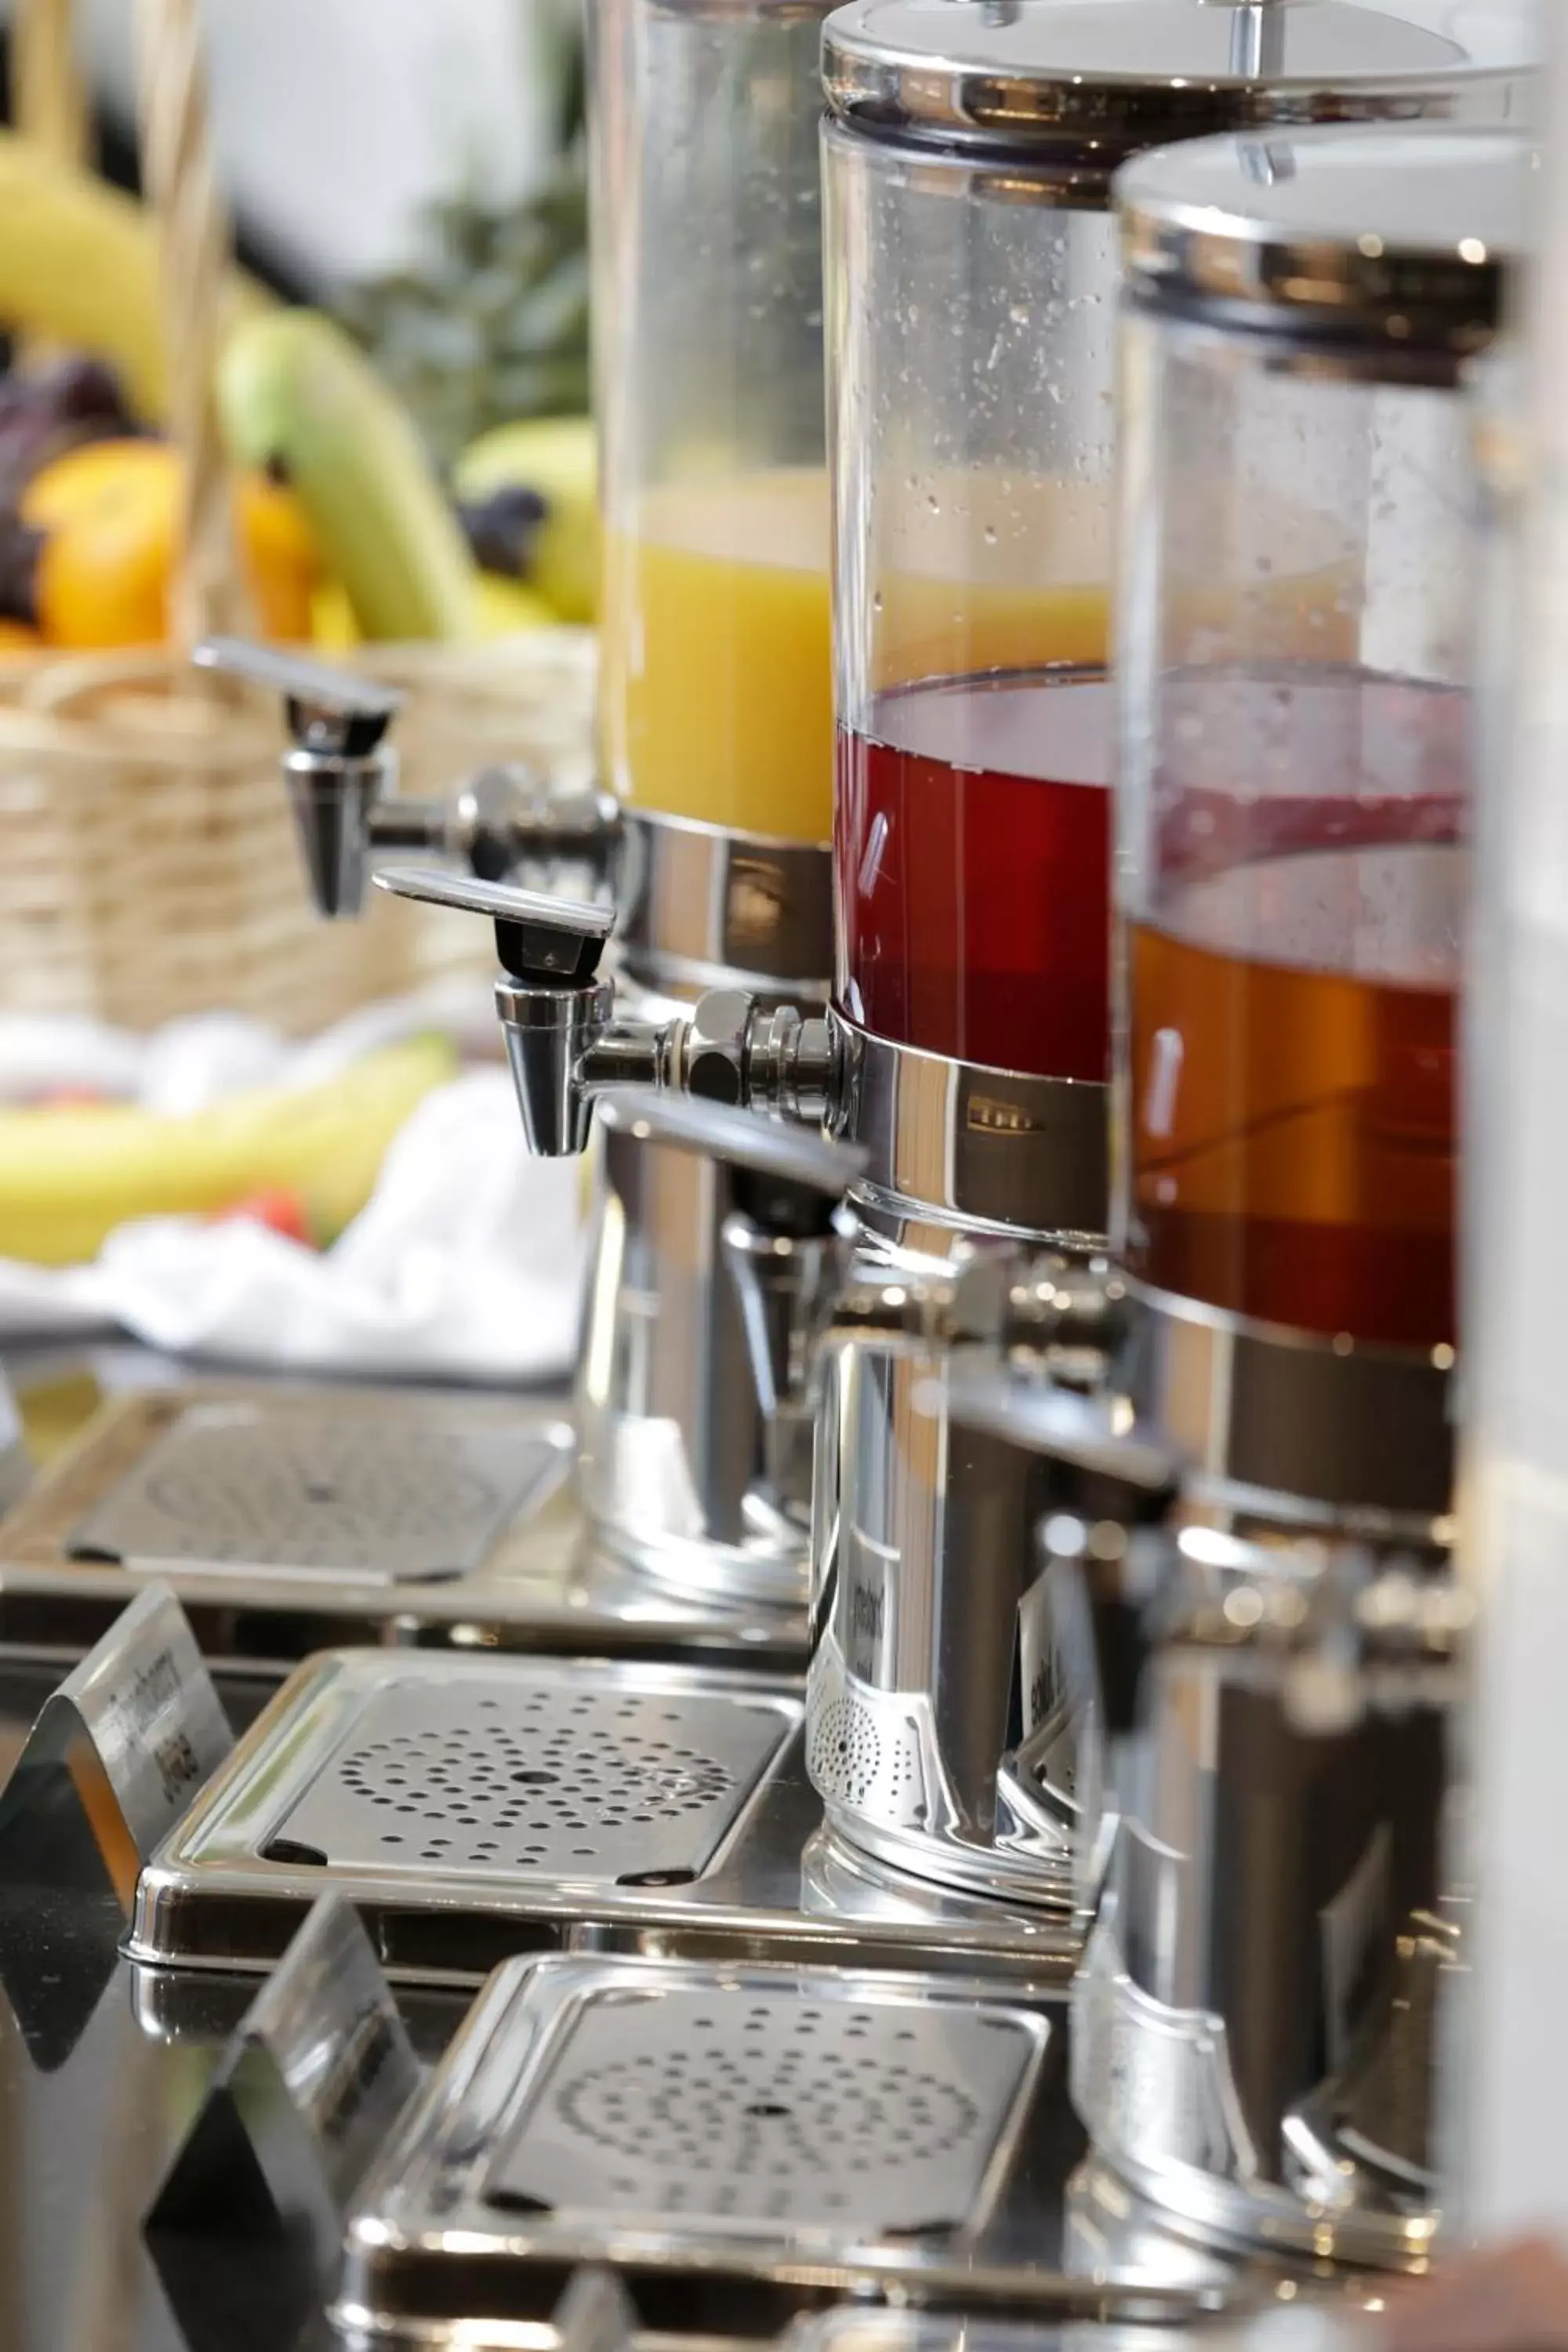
pixel 972 862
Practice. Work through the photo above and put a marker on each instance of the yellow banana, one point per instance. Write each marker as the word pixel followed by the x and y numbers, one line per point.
pixel 69 1176
pixel 78 266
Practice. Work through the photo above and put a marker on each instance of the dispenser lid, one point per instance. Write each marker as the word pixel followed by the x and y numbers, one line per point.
pixel 1090 82
pixel 1399 239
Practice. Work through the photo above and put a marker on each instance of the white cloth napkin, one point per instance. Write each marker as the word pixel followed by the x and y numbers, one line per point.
pixel 465 1264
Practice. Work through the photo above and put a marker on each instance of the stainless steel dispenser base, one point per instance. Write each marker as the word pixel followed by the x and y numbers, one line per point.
pixel 473 1808
pixel 678 1448
pixel 1157 2080
pixel 741 2134
pixel 874 1760
pixel 286 1519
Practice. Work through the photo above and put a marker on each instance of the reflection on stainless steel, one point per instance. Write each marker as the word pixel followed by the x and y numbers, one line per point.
pixel 707 1279
pixel 1109 2231
pixel 470 1807
pixel 310 2086
pixel 118 1752
pixel 974 1148
pixel 595 2313
pixel 935 1737
pixel 1253 2020
pixel 866 2329
pixel 1285 1425
pixel 688 1471
pixel 940 1730
pixel 709 906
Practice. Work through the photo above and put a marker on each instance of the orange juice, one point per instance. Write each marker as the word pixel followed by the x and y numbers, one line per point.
pixel 716 693
pixel 982 571
pixel 717 699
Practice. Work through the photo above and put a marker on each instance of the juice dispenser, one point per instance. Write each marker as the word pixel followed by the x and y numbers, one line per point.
pixel 716 738
pixel 1294 788
pixel 1269 1642
pixel 972 275
pixel 971 278
pixel 716 735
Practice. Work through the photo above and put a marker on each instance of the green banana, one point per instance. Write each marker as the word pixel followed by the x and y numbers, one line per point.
pixel 298 398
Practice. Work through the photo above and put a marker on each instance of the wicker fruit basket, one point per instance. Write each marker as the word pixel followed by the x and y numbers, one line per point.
pixel 148 866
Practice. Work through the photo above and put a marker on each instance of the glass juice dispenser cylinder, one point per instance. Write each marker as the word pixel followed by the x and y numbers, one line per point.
pixel 1258 2025
pixel 971 271
pixel 1295 655
pixel 716 734
pixel 972 274
pixel 716 694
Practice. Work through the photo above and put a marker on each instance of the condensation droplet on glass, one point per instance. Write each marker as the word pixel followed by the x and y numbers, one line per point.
pixel 933 502
pixel 989 534
pixel 1019 313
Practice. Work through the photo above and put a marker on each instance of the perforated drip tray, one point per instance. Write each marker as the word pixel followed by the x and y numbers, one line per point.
pixel 290 1519
pixel 678 2120
pixel 473 1807
pixel 374 1491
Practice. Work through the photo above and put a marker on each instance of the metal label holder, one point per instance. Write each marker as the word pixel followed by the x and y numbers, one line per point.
pixel 304 2094
pixel 117 1754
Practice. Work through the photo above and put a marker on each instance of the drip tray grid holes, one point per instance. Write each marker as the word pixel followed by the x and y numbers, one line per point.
pixel 770 2112
pixel 536 1780
pixel 385 1495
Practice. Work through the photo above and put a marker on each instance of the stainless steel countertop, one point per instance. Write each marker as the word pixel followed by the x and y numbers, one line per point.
pixel 92 2108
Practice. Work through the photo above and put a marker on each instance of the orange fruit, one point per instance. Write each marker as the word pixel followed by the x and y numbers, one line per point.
pixel 109 514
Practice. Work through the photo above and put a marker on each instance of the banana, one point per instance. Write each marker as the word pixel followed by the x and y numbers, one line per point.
pixel 69 1176
pixel 503 607
pixel 556 456
pixel 296 395
pixel 78 266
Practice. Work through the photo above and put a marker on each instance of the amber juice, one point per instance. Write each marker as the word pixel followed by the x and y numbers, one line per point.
pixel 1291 1004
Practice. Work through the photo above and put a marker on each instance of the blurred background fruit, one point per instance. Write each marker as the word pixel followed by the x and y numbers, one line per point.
pixel 421 468
pixel 70 1172
pixel 401 377
pixel 79 263
pixel 300 402
pixel 548 469
pixel 101 526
